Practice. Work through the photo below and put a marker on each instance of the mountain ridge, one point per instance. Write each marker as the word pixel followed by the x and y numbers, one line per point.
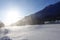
pixel 49 13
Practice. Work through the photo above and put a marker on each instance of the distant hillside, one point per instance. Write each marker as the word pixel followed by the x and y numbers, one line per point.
pixel 49 13
pixel 1 24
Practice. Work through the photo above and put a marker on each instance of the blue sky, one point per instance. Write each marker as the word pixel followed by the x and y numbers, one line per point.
pixel 23 7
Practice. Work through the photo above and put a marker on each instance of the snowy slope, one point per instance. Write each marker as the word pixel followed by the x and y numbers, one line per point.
pixel 34 32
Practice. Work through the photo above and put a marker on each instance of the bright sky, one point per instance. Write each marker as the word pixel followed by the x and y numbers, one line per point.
pixel 14 10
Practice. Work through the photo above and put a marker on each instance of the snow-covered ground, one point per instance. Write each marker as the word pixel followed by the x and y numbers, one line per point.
pixel 31 32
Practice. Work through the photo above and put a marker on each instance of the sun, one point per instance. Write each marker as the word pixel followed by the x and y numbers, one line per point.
pixel 12 15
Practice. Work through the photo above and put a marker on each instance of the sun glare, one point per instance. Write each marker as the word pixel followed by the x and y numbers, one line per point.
pixel 11 16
